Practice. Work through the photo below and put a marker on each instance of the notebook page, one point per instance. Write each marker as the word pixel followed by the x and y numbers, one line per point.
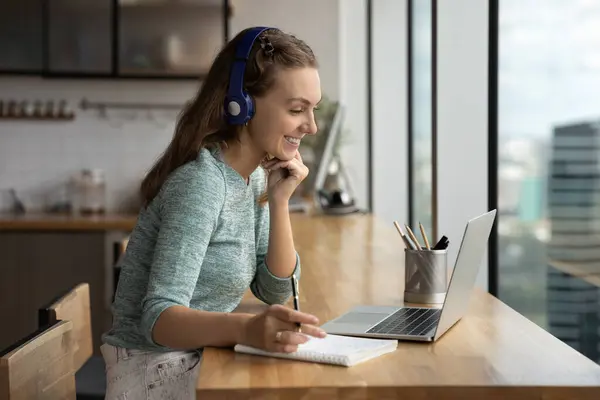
pixel 344 345
pixel 333 349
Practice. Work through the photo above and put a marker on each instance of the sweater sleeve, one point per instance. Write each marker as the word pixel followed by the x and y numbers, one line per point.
pixel 265 286
pixel 189 209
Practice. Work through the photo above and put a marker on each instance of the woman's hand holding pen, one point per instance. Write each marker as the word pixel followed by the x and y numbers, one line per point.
pixel 275 329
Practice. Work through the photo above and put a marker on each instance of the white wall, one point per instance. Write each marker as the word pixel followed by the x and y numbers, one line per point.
pixel 462 102
pixel 36 158
pixel 390 110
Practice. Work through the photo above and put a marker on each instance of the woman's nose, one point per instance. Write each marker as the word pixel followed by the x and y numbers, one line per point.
pixel 311 127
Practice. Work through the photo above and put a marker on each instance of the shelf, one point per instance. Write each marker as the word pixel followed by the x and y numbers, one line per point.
pixel 178 6
pixel 85 104
pixel 129 4
pixel 168 72
pixel 33 118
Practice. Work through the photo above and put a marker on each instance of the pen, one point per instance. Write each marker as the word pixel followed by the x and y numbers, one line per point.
pixel 442 244
pixel 296 299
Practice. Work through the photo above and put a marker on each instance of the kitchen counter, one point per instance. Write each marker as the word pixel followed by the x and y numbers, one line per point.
pixel 42 255
pixel 60 222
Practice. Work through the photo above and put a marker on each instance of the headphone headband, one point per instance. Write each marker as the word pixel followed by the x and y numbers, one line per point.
pixel 239 107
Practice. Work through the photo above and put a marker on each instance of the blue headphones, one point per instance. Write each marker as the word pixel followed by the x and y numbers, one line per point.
pixel 239 107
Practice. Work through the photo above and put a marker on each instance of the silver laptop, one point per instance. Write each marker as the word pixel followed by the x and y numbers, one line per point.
pixel 424 323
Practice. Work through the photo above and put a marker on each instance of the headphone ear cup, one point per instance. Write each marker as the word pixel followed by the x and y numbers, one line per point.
pixel 239 110
pixel 236 110
pixel 232 108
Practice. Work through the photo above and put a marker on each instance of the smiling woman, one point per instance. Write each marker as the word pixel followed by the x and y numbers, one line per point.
pixel 204 236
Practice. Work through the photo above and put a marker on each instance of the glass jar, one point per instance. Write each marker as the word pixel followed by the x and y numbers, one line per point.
pixel 90 192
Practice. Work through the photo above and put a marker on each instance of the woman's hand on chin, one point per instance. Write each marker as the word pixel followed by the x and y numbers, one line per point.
pixel 284 176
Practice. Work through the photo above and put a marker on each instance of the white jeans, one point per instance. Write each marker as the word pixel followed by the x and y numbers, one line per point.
pixel 147 375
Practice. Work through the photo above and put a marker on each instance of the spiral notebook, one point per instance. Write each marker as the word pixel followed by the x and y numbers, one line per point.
pixel 333 349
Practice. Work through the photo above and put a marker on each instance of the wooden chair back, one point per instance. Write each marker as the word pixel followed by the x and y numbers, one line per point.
pixel 40 366
pixel 73 306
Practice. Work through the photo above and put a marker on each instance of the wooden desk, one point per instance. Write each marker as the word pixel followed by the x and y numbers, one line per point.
pixel 492 353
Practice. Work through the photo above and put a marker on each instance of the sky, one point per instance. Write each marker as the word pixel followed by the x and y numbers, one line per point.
pixel 549 65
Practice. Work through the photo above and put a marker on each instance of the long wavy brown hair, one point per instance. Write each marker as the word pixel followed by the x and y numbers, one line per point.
pixel 202 122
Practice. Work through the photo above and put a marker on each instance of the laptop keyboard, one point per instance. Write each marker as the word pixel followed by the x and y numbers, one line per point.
pixel 408 321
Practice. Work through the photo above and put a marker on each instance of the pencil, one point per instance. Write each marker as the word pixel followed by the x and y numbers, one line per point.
pixel 404 238
pixel 424 236
pixel 413 237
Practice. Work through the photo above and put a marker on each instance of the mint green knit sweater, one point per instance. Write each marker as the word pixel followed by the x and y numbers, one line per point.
pixel 201 243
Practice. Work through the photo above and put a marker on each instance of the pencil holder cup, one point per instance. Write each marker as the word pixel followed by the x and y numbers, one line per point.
pixel 426 276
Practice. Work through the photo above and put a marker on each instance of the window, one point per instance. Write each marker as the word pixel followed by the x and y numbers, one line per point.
pixel 549 166
pixel 420 76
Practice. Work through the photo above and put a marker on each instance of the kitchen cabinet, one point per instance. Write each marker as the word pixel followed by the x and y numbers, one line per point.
pixel 79 36
pixel 21 44
pixel 169 38
pixel 162 39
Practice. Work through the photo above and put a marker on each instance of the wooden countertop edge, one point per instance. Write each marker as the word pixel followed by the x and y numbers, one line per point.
pixel 421 392
pixel 58 223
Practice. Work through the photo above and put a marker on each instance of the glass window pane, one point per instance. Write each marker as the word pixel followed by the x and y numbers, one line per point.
pixel 421 168
pixel 549 166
